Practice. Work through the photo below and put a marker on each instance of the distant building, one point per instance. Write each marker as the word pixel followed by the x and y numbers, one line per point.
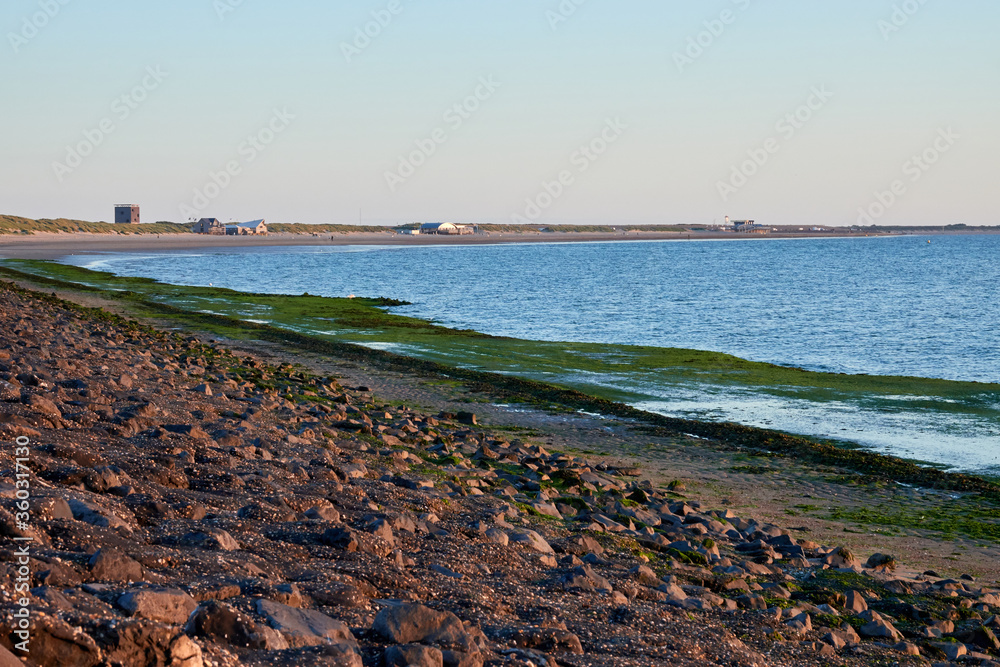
pixel 255 228
pixel 748 227
pixel 126 214
pixel 209 226
pixel 446 228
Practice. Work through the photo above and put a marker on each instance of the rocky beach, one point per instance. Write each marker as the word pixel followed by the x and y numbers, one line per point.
pixel 193 503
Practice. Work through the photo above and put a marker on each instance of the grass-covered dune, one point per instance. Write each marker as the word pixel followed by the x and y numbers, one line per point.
pixel 12 224
pixel 549 374
pixel 578 229
pixel 301 228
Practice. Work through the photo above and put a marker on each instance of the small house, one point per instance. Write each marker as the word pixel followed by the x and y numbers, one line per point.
pixel 209 226
pixel 254 228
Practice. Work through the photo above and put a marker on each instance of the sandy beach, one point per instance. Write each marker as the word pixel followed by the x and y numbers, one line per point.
pixel 53 246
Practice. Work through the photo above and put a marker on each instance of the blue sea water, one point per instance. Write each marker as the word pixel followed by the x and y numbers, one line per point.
pixel 878 305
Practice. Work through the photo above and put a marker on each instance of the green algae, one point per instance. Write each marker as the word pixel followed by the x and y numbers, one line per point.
pixel 551 375
pixel 583 366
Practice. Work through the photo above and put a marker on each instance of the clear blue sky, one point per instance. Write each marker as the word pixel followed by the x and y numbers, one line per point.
pixel 681 127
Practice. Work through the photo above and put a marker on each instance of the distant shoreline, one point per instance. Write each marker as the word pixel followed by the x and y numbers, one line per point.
pixel 55 245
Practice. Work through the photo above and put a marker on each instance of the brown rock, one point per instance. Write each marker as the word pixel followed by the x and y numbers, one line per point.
pixel 42 405
pixel 883 562
pixel 54 642
pixel 841 557
pixel 855 602
pixel 112 565
pixel 8 659
pixel 149 644
pixel 218 622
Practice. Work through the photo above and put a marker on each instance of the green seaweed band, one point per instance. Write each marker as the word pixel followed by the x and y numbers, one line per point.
pixel 516 389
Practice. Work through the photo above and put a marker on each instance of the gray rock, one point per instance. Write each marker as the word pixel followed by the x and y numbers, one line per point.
pixel 644 575
pixel 532 540
pixel 855 602
pixel 99 480
pixel 96 515
pixel 304 627
pixel 218 622
pixel 408 623
pixel 881 628
pixel 584 578
pixel 497 535
pixel 166 605
pixel 213 539
pixel 546 509
pixel 323 513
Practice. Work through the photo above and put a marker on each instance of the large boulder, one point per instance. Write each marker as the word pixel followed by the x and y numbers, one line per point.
pixel 304 627
pixel 166 605
pixel 147 643
pixel 533 540
pixel 220 623
pixel 410 623
pixel 54 642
